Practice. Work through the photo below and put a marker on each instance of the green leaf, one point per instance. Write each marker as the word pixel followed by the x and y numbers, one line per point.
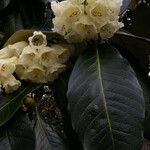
pixel 138 46
pixel 46 138
pixel 17 134
pixel 9 103
pixel 106 101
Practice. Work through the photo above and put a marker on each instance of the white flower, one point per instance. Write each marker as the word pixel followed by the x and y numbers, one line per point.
pixel 5 53
pixel 35 62
pixel 114 7
pixel 62 26
pixel 108 30
pixel 62 51
pixel 76 1
pixel 73 37
pixel 98 12
pixel 38 40
pixel 11 84
pixel 85 28
pixel 53 72
pixel 17 48
pixel 35 74
pixel 12 50
pixel 79 20
pixel 73 12
pixel 47 56
pixel 20 69
pixel 7 66
pixel 28 56
pixel 58 8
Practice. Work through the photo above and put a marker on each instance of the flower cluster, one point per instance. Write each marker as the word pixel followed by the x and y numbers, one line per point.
pixel 33 61
pixel 79 20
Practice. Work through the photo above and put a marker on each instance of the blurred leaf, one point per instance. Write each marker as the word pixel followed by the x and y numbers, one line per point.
pixel 17 134
pixel 60 87
pixel 140 22
pixel 139 47
pixel 146 145
pixel 4 3
pixel 125 6
pixel 9 103
pixel 106 102
pixel 46 138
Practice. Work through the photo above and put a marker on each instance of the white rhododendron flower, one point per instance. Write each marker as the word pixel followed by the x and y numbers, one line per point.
pixel 79 20
pixel 7 66
pixel 38 40
pixel 35 74
pixel 85 28
pixel 34 61
pixel 28 56
pixel 108 29
pixel 53 72
pixel 12 50
pixel 11 84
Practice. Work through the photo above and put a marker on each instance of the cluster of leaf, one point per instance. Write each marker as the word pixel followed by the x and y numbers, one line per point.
pixel 102 100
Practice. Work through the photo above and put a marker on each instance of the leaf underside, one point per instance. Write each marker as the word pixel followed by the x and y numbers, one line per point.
pixel 46 138
pixel 106 101
pixel 17 134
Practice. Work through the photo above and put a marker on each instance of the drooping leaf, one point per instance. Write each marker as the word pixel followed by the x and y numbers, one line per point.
pixel 106 101
pixel 46 138
pixel 145 84
pixel 139 47
pixel 9 103
pixel 17 134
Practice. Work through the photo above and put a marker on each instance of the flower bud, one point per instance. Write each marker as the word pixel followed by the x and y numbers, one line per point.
pixel 7 66
pixel 11 84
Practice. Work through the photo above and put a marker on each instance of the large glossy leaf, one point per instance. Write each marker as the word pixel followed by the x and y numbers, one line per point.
pixel 9 103
pixel 17 134
pixel 46 138
pixel 106 101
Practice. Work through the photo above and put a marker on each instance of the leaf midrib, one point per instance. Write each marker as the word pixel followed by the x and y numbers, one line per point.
pixel 101 90
pixel 9 102
pixel 1 109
